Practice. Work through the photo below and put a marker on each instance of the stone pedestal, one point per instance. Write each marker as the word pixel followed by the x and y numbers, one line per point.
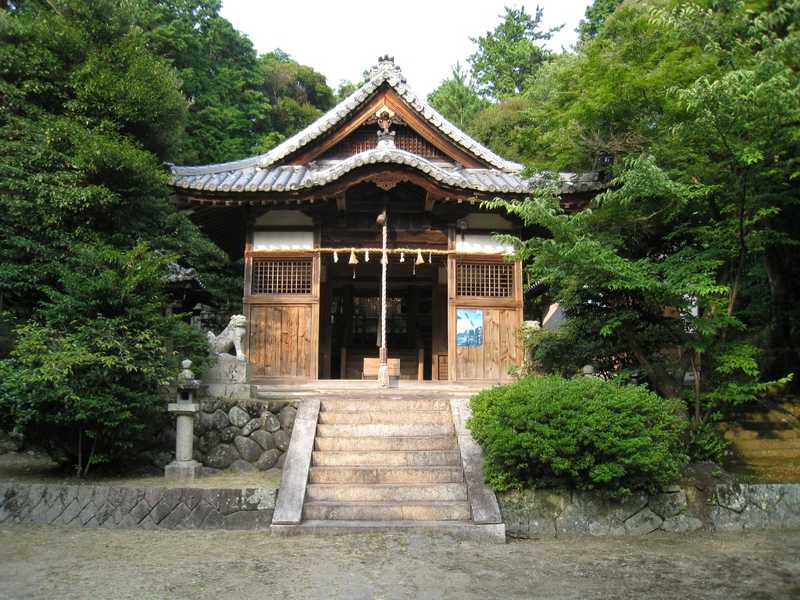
pixel 183 468
pixel 383 375
pixel 227 379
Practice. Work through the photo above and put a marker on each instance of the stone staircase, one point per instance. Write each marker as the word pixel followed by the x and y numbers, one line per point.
pixel 378 459
pixel 766 443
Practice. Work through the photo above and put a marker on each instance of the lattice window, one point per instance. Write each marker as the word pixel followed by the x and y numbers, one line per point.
pixel 281 276
pixel 485 279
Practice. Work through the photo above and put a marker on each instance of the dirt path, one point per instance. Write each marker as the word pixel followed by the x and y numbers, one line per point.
pixel 48 562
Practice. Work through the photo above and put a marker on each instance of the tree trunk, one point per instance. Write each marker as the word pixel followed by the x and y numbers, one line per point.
pixel 663 383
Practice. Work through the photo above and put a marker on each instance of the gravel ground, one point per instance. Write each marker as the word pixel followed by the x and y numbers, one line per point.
pixel 49 562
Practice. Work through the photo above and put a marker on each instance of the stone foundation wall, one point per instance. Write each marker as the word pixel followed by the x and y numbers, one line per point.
pixel 243 435
pixel 136 508
pixel 725 507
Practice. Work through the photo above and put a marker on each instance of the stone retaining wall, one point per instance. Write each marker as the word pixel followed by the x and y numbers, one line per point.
pixel 728 507
pixel 528 514
pixel 136 508
pixel 240 435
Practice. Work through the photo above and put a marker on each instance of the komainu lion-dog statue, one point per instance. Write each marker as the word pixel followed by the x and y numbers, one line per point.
pixel 231 337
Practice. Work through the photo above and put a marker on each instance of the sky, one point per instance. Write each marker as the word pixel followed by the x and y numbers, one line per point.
pixel 342 38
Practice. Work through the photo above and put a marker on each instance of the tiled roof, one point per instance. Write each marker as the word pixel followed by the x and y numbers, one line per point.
pixel 289 178
pixel 261 173
pixel 384 72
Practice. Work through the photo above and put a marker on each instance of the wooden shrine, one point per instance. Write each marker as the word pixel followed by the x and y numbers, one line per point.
pixel 304 216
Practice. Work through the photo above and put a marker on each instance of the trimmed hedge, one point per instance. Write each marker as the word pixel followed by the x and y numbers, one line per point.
pixel 585 433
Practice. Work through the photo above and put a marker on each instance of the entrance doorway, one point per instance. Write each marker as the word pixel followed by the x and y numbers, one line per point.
pixel 352 309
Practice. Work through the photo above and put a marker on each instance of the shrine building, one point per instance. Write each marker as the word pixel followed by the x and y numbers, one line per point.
pixel 306 214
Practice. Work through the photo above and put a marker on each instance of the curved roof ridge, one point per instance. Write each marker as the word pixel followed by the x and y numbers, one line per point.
pixel 386 71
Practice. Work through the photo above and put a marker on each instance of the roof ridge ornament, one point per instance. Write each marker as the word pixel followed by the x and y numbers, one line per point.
pixel 384 118
pixel 386 67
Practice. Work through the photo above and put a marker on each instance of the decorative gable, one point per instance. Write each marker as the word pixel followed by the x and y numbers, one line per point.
pixel 365 138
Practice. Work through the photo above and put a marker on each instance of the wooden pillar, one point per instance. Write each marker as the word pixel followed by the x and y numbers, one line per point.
pixel 452 375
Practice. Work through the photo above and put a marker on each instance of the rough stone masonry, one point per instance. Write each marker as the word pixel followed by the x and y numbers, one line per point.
pixel 678 509
pixel 136 508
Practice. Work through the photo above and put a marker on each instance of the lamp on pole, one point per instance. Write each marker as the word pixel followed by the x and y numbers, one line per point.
pixel 383 367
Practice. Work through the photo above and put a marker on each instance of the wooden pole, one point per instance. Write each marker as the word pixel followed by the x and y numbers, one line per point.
pixel 383 368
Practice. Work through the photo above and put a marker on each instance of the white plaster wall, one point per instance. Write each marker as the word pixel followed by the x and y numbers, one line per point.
pixel 490 221
pixel 283 240
pixel 284 218
pixel 480 243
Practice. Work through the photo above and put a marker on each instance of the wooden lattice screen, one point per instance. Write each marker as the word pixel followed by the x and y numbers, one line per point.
pixel 281 276
pixel 366 139
pixel 485 280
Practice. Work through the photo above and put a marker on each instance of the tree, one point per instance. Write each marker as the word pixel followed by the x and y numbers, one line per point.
pixel 219 75
pixel 88 114
pixel 457 99
pixel 670 267
pixel 297 93
pixel 509 56
pixel 83 380
pixel 596 14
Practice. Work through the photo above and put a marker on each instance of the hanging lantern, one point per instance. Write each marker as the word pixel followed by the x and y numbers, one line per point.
pixel 402 257
pixel 353 260
pixel 420 260
pixel 366 256
pixel 354 272
pixel 335 256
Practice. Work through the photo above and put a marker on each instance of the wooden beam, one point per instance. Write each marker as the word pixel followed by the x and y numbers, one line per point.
pixel 430 202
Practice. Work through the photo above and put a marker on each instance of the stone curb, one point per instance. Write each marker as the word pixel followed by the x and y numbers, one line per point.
pixel 289 507
pixel 482 500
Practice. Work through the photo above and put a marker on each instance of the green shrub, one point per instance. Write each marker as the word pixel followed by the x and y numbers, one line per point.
pixel 585 433
pixel 83 381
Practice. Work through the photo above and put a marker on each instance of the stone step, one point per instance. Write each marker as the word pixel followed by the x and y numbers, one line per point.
pixel 787 412
pixel 333 492
pixel 362 444
pixel 786 425
pixel 384 429
pixel 386 511
pixel 739 433
pixel 370 404
pixel 765 443
pixel 771 453
pixel 394 458
pixel 370 475
pixel 772 473
pixel 393 417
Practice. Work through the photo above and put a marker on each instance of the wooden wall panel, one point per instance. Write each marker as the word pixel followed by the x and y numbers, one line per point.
pixel 282 341
pixel 502 318
pixel 499 351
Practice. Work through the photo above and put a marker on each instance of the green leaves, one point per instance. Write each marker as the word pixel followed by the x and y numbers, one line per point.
pixel 457 99
pixel 509 56
pixel 96 355
pixel 584 433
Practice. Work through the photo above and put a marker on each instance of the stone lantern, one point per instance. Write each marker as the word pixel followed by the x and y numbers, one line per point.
pixel 184 467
